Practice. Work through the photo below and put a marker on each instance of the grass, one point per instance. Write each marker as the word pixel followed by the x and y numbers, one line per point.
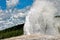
pixel 11 32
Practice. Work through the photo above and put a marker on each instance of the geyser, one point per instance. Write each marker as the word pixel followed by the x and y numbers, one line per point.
pixel 41 18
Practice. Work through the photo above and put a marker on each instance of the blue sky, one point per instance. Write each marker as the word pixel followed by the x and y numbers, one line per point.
pixel 3 4
pixel 20 5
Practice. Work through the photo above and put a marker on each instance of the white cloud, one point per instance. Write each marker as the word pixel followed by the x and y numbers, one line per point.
pixel 10 3
pixel 0 11
pixel 19 14
pixel 9 18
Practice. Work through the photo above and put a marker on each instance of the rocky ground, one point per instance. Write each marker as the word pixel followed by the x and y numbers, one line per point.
pixel 34 37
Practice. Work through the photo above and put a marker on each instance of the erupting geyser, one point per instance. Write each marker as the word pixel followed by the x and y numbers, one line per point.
pixel 41 18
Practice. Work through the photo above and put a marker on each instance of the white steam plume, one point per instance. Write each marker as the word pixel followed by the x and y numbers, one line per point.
pixel 40 16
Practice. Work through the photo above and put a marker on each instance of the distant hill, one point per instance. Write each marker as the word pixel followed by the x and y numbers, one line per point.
pixel 11 32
